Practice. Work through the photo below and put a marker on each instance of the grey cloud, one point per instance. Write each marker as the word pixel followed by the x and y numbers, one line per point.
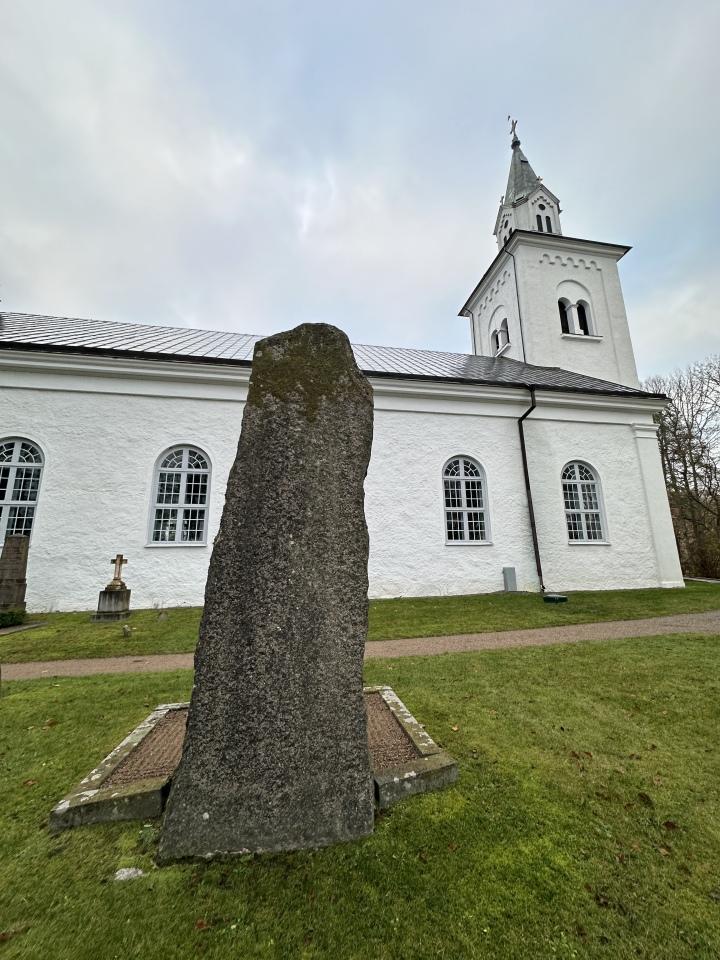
pixel 249 166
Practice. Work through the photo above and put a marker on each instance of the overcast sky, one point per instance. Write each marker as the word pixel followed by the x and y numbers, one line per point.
pixel 248 166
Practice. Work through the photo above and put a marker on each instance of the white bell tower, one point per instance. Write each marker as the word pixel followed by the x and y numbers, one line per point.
pixel 547 299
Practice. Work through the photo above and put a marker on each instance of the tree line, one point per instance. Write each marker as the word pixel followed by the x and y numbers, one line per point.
pixel 689 436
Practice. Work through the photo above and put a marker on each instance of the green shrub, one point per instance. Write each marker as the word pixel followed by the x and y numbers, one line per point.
pixel 12 618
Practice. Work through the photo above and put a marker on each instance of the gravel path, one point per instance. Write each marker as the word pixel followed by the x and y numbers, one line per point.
pixel 422 646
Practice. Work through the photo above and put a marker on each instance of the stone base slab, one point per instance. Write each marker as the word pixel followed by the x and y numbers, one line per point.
pixel 435 768
pixel 92 802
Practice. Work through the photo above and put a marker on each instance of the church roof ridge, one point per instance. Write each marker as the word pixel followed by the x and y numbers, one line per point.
pixel 38 332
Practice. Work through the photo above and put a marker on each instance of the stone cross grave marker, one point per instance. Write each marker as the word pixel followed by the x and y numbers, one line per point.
pixel 117 576
pixel 276 752
pixel 114 600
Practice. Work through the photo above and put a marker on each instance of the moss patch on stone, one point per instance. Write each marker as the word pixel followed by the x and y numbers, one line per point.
pixel 306 370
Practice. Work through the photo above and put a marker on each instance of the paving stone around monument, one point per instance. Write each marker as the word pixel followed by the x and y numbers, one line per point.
pixel 94 801
pixel 133 782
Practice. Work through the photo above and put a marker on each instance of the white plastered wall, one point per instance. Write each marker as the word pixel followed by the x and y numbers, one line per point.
pixel 541 271
pixel 102 424
pixel 640 550
pixel 545 268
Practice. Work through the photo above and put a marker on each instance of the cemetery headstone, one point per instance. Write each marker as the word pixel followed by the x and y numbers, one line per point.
pixel 13 567
pixel 114 600
pixel 276 751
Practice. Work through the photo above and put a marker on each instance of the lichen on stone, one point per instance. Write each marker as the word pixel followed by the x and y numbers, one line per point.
pixel 302 370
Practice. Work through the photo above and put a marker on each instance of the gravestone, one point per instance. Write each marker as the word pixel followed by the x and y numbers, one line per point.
pixel 114 600
pixel 13 567
pixel 276 751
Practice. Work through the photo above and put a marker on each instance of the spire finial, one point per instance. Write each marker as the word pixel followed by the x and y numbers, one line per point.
pixel 513 134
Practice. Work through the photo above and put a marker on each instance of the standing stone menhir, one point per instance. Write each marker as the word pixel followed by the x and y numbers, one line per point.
pixel 13 567
pixel 276 752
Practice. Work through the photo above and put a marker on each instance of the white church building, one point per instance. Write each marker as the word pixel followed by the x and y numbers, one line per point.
pixel 536 452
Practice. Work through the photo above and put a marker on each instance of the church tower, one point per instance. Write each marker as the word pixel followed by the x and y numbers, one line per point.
pixel 547 299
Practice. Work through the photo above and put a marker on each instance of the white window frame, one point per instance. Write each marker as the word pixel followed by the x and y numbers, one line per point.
pixel 604 539
pixel 180 507
pixel 10 470
pixel 464 509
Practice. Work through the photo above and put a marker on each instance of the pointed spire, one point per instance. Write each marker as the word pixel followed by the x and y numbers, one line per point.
pixel 523 179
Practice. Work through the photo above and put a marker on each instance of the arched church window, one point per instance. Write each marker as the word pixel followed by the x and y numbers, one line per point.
pixel 562 309
pixel 21 464
pixel 548 224
pixel 466 517
pixel 582 312
pixel 583 506
pixel 539 223
pixel 181 497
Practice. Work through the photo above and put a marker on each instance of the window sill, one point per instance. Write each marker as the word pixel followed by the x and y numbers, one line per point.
pixel 468 543
pixel 589 543
pixel 503 349
pixel 168 543
pixel 581 336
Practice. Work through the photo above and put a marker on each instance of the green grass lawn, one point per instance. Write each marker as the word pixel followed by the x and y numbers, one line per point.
pixel 585 823
pixel 71 635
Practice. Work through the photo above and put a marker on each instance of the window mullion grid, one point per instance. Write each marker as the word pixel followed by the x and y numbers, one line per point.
pixel 581 507
pixel 183 497
pixel 463 495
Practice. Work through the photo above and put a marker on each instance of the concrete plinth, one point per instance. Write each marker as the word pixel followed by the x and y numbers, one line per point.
pixel 113 605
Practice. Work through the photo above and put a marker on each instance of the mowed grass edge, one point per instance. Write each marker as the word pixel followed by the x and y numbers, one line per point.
pixel 73 635
pixel 584 823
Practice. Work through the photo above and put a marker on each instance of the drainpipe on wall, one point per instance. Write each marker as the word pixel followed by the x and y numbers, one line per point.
pixel 517 298
pixel 533 528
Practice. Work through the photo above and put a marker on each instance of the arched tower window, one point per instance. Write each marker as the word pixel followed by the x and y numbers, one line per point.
pixel 539 222
pixel 583 506
pixel 465 501
pixel 582 312
pixel 504 334
pixel 181 497
pixel 548 224
pixel 562 310
pixel 21 464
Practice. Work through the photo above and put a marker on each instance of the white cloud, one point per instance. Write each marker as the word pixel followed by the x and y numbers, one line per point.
pixel 251 166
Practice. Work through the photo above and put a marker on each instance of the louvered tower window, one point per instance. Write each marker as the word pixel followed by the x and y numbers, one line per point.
pixel 562 309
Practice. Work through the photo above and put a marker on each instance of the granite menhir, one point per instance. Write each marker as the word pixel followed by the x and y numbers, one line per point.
pixel 276 751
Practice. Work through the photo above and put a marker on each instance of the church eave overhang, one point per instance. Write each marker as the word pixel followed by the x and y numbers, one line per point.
pixel 540 239
pixel 164 366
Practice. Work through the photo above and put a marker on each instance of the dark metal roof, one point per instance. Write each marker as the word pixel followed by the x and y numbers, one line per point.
pixel 522 180
pixel 26 331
